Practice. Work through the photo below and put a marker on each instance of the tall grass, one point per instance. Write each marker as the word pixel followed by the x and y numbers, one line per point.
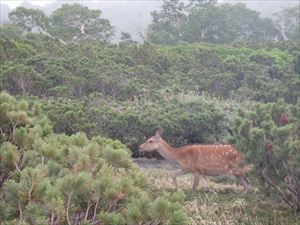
pixel 220 201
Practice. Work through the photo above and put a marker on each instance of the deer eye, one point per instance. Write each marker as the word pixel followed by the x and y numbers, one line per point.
pixel 150 141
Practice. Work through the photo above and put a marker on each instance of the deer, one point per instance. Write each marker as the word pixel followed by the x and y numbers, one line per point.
pixel 201 160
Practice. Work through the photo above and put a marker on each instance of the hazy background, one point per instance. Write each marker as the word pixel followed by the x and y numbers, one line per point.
pixel 133 16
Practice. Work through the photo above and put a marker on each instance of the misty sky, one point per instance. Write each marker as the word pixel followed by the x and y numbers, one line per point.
pixel 13 4
pixel 265 7
pixel 282 3
pixel 134 16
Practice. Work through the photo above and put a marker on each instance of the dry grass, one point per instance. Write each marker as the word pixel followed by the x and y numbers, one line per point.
pixel 162 179
pixel 221 201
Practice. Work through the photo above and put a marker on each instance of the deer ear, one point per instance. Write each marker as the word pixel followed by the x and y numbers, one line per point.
pixel 159 132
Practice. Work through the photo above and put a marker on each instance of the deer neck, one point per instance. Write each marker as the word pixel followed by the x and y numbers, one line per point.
pixel 167 151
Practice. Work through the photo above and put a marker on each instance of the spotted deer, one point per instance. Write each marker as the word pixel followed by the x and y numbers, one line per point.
pixel 208 160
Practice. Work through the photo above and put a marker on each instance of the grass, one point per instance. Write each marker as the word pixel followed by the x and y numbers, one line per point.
pixel 220 201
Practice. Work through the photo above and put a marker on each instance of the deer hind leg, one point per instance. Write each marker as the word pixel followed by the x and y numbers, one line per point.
pixel 234 170
pixel 244 181
pixel 196 181
pixel 178 173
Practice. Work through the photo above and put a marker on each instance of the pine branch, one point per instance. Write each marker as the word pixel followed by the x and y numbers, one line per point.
pixel 271 183
pixel 30 191
pixel 4 178
pixel 13 128
pixel 87 210
pixel 97 222
pixel 17 167
pixel 52 218
pixel 79 217
pixel 68 207
pixel 1 132
pixel 95 209
pixel 21 213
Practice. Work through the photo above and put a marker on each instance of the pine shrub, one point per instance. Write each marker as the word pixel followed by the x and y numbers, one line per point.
pixel 269 134
pixel 48 178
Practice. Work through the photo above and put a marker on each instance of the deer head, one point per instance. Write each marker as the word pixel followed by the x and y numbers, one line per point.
pixel 153 143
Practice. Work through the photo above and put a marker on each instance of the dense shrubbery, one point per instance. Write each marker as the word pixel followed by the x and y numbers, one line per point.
pixel 269 134
pixel 125 92
pixel 48 178
pixel 189 118
pixel 47 68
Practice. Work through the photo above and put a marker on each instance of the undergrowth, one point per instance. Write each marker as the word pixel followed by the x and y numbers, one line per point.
pixel 221 201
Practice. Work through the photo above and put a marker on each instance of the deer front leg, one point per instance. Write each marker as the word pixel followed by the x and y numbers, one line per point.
pixel 196 181
pixel 178 173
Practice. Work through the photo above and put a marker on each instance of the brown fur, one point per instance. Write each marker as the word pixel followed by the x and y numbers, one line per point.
pixel 210 160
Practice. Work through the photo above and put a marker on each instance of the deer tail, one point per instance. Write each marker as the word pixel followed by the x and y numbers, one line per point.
pixel 246 168
pixel 241 170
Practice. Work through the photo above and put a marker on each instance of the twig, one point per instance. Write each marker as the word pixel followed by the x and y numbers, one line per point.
pixel 4 178
pixel 68 206
pixel 79 217
pixel 52 218
pixel 21 212
pixel 87 211
pixel 17 167
pixel 97 222
pixel 95 209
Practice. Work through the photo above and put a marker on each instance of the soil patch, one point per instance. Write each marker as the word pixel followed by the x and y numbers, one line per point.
pixel 155 163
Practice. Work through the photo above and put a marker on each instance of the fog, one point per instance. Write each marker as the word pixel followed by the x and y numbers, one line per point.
pixel 134 16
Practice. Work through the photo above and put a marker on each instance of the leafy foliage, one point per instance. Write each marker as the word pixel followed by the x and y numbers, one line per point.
pixel 46 68
pixel 104 98
pixel 177 20
pixel 28 19
pixel 75 22
pixel 189 118
pixel 204 21
pixel 70 23
pixel 288 23
pixel 58 179
pixel 127 91
pixel 269 135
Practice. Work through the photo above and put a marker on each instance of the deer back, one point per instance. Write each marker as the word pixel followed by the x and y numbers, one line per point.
pixel 210 159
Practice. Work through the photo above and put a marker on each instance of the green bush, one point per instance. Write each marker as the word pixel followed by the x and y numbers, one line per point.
pixel 49 178
pixel 47 68
pixel 187 118
pixel 269 135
